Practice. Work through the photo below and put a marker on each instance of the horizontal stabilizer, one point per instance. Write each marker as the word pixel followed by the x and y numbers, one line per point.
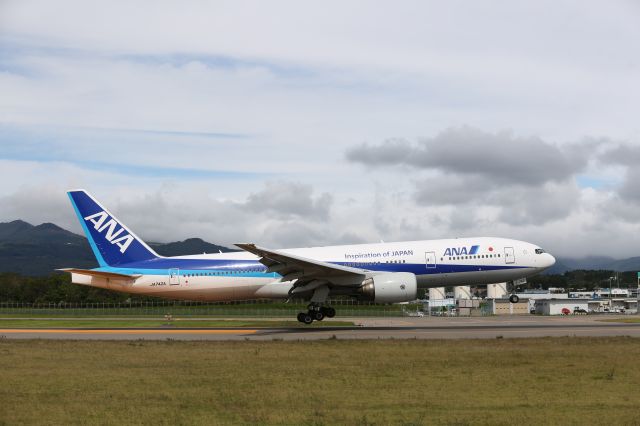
pixel 100 274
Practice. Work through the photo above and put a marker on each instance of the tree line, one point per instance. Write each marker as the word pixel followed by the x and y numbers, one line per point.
pixel 55 288
pixel 584 280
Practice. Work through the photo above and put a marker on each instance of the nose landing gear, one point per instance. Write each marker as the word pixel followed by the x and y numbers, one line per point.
pixel 513 298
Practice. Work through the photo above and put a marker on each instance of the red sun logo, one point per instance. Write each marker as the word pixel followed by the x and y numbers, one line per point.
pixel 490 248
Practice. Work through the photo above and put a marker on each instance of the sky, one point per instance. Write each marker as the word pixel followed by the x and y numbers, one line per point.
pixel 290 124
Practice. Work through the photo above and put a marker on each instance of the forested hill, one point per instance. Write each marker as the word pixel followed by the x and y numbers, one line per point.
pixel 39 250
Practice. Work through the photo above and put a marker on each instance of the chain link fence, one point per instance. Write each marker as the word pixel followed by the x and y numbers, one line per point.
pixel 255 308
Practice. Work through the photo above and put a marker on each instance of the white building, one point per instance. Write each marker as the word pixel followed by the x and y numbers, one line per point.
pixel 562 306
pixel 614 292
pixel 542 294
pixel 582 295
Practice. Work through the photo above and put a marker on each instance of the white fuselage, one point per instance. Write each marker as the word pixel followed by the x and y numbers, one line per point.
pixel 239 275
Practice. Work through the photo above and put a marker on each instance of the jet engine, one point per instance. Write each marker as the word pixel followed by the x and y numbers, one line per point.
pixel 393 287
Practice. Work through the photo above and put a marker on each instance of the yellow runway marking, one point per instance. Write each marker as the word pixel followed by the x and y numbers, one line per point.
pixel 121 331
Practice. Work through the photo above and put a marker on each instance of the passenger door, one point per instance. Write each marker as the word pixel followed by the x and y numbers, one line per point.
pixel 430 257
pixel 174 276
pixel 509 255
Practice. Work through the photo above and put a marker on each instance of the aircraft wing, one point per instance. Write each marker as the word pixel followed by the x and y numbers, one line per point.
pixel 99 273
pixel 306 270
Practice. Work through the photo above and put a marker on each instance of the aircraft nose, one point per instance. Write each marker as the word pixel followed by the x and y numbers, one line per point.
pixel 549 261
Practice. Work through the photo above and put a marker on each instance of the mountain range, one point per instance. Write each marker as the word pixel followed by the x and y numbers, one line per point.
pixel 39 250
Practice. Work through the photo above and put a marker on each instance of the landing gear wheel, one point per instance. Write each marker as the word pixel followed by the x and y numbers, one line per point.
pixel 329 312
pixel 317 315
pixel 514 298
pixel 307 318
pixel 301 316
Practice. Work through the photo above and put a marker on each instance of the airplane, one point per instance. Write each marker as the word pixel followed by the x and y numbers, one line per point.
pixel 380 273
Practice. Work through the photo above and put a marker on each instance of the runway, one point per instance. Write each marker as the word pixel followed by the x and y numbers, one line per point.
pixel 367 328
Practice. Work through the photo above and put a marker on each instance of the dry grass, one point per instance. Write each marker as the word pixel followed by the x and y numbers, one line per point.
pixel 501 381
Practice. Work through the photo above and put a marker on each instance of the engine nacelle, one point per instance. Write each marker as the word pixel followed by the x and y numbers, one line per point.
pixel 394 287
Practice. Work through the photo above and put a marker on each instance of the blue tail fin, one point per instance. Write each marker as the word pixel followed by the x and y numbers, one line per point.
pixel 112 242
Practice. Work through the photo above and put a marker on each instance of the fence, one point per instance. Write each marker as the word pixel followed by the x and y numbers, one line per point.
pixel 195 309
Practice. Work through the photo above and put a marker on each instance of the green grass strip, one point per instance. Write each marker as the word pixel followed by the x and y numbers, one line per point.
pixel 176 323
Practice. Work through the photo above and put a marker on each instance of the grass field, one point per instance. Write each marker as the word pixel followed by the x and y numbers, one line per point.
pixel 629 320
pixel 153 323
pixel 500 381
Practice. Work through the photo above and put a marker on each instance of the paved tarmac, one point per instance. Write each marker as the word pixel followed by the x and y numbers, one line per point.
pixel 367 328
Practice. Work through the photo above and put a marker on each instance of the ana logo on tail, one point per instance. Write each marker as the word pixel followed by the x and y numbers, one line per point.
pixel 100 223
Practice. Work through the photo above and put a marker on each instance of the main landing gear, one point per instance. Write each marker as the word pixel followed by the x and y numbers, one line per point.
pixel 316 313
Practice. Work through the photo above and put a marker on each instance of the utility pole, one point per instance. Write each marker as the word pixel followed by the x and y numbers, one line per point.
pixel 610 297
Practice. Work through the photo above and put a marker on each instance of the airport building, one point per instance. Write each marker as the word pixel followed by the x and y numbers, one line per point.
pixel 554 301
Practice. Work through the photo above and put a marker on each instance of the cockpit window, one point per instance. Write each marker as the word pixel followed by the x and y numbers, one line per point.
pixel 539 251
